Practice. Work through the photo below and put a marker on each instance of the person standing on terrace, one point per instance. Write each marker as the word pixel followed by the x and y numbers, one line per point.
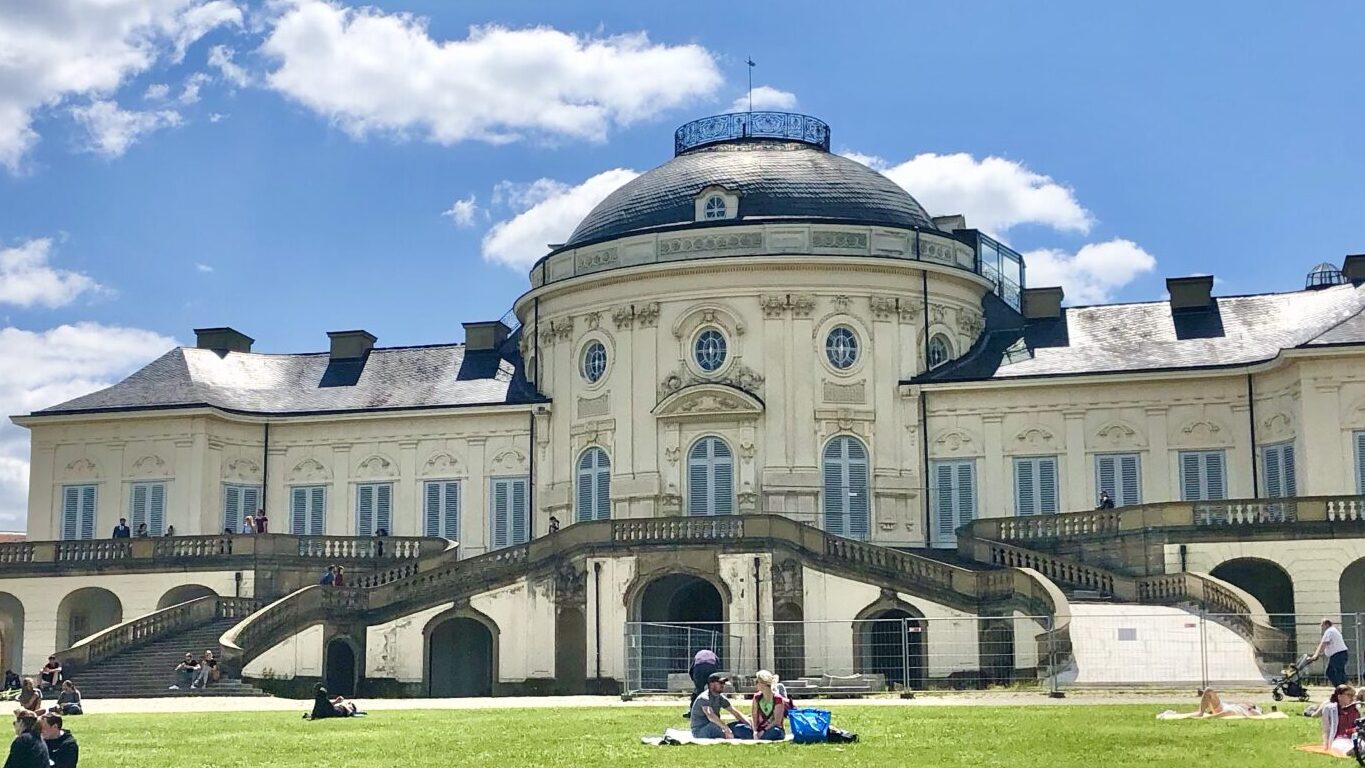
pixel 122 531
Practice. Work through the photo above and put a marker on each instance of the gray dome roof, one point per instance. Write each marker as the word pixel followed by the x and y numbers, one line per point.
pixel 775 179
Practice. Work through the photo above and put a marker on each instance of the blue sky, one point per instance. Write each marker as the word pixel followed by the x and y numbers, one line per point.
pixel 284 167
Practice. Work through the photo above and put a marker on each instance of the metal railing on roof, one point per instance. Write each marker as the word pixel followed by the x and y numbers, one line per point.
pixel 751 125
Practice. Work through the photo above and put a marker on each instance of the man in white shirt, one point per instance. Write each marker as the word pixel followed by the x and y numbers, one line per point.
pixel 1334 648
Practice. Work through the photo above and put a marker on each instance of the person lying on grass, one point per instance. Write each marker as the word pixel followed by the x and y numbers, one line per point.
pixel 706 709
pixel 1339 720
pixel 325 706
pixel 1212 705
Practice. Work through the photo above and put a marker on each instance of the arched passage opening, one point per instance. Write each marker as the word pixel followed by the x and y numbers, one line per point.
pixel 889 640
pixel 183 594
pixel 678 615
pixel 1351 588
pixel 1267 582
pixel 339 668
pixel 571 649
pixel 789 641
pixel 461 658
pixel 84 612
pixel 11 632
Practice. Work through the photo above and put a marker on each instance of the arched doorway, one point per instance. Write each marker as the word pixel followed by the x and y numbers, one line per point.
pixel 678 615
pixel 1267 582
pixel 84 612
pixel 183 594
pixel 571 649
pixel 789 641
pixel 338 668
pixel 460 658
pixel 11 632
pixel 890 641
pixel 1351 588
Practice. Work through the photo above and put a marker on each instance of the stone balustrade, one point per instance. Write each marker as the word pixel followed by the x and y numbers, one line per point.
pixel 147 628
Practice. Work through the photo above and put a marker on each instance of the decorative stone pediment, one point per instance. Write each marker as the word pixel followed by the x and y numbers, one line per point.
pixel 309 471
pixel 1277 426
pixel 81 469
pixel 376 466
pixel 148 466
pixel 242 471
pixel 443 465
pixel 1203 433
pixel 1034 437
pixel 709 402
pixel 738 375
pixel 956 441
pixel 1116 434
pixel 509 460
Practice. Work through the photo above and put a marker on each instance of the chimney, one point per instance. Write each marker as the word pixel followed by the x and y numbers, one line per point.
pixel 222 340
pixel 950 223
pixel 1190 292
pixel 351 345
pixel 484 335
pixel 1042 303
pixel 1354 268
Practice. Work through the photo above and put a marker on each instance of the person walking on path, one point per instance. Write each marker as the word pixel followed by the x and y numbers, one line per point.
pixel 1333 648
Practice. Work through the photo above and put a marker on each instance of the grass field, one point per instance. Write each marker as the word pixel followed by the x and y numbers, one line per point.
pixel 1015 736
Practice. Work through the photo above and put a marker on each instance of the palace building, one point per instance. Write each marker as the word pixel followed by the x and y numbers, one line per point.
pixel 761 395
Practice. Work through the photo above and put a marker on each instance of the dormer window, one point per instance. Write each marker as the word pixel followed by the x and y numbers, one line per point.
pixel 715 207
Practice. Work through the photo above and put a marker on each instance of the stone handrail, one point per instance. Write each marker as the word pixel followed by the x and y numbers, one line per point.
pixel 184 550
pixel 431 580
pixel 1176 514
pixel 152 626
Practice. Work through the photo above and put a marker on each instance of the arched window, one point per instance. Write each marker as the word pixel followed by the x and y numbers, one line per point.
pixel 709 350
pixel 715 207
pixel 594 486
pixel 594 362
pixel 841 347
pixel 939 350
pixel 846 508
pixel 710 478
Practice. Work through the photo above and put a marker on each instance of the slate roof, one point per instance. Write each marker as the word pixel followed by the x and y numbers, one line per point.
pixel 774 180
pixel 1149 337
pixel 388 379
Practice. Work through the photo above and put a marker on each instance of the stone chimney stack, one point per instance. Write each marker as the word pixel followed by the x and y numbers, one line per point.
pixel 351 345
pixel 222 340
pixel 1190 292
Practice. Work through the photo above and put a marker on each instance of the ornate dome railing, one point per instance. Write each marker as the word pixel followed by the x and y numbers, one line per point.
pixel 751 125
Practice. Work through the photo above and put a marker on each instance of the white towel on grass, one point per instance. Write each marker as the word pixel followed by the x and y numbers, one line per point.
pixel 679 736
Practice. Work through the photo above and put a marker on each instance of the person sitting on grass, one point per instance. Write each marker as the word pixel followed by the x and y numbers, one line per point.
pixel 1212 705
pixel 69 700
pixel 768 712
pixel 1339 720
pixel 30 697
pixel 706 709
pixel 325 706
pixel 28 750
pixel 61 745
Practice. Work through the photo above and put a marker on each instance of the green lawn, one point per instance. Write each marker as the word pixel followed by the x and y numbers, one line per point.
pixel 1014 736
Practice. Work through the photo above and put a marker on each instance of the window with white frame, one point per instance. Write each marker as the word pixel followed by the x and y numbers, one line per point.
pixel 954 498
pixel 239 501
pixel 594 362
pixel 841 347
pixel 147 504
pixel 1119 475
pixel 594 486
pixel 78 511
pixel 939 350
pixel 441 508
pixel 510 517
pixel 308 510
pixel 1277 469
pixel 1035 485
pixel 709 350
pixel 710 478
pixel 846 493
pixel 714 207
pixel 373 508
pixel 1203 475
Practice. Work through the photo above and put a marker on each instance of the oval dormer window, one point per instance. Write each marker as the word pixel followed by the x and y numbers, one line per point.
pixel 715 208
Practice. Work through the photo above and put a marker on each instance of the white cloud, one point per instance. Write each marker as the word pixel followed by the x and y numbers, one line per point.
pixel 112 130
pixel 27 280
pixel 373 72
pixel 156 92
pixel 57 49
pixel 39 369
pixel 199 20
pixel 1092 274
pixel 220 58
pixel 995 194
pixel 464 212
pixel 765 97
pixel 549 210
pixel 203 268
pixel 217 117
pixel 190 93
pixel 871 161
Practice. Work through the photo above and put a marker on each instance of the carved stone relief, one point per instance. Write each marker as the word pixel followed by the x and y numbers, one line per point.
pixel 242 471
pixel 148 466
pixel 309 471
pixel 443 465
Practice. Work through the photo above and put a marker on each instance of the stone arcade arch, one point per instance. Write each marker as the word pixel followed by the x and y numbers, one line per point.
pixel 84 612
pixel 461 655
pixel 676 615
pixel 1267 582
pixel 789 641
pixel 1351 588
pixel 183 594
pixel 11 632
pixel 339 668
pixel 890 639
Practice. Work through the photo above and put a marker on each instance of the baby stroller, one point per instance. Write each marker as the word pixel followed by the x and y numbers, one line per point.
pixel 1290 682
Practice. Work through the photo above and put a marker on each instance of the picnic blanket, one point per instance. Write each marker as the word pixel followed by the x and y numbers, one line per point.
pixel 677 736
pixel 1171 714
pixel 1318 749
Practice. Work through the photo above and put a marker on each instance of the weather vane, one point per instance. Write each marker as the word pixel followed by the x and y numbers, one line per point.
pixel 750 61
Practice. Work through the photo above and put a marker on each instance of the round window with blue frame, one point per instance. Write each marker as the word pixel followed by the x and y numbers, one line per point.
pixel 841 347
pixel 594 362
pixel 715 207
pixel 709 350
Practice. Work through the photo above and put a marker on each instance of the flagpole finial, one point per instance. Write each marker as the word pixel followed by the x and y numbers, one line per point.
pixel 750 61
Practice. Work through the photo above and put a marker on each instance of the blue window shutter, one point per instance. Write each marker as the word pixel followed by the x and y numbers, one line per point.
pixel 138 513
pixel 1291 480
pixel 232 507
pixel 251 502
pixel 1130 481
pixel 945 503
pixel 965 491
pixel 698 485
pixel 451 524
pixel 383 508
pixel 1191 476
pixel 298 511
pixel 520 514
pixel 1047 485
pixel 602 487
pixel 1025 496
pixel 1215 480
pixel 502 501
pixel 859 496
pixel 71 501
pixel 1270 466
pixel 88 498
pixel 724 477
pixel 587 486
pixel 431 509
pixel 156 508
pixel 835 500
pixel 1106 476
pixel 364 510
pixel 1360 463
pixel 317 511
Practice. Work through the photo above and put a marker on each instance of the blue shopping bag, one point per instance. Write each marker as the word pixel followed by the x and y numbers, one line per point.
pixel 809 726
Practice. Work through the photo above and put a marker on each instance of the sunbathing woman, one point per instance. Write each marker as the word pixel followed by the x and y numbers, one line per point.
pixel 325 706
pixel 1210 705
